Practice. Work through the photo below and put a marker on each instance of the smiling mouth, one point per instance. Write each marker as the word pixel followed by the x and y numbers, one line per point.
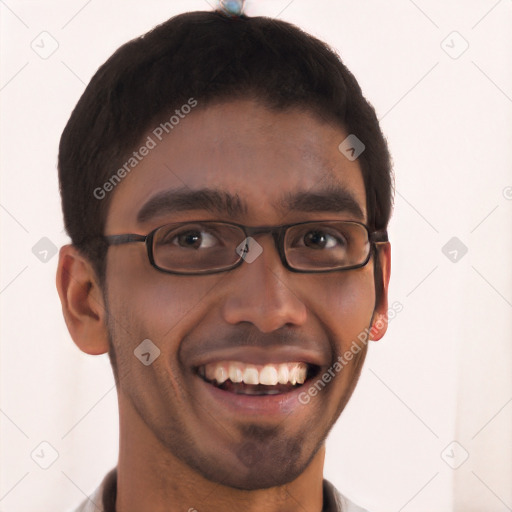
pixel 250 379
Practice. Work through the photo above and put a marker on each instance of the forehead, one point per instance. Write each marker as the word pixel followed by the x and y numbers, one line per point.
pixel 239 160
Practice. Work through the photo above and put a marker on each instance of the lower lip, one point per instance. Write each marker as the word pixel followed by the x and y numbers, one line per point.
pixel 255 405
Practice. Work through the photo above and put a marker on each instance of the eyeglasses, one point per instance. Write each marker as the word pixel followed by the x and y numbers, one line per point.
pixel 208 247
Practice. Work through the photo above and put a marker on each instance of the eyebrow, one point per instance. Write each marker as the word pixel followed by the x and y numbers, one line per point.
pixel 334 199
pixel 180 200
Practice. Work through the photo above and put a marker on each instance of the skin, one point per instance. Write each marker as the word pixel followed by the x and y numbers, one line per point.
pixel 176 446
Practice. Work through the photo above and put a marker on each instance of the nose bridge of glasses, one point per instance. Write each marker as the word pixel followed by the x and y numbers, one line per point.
pixel 277 233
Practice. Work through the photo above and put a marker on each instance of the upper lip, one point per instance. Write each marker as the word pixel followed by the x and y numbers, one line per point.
pixel 262 355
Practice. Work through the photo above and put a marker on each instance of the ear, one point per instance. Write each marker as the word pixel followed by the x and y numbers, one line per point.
pixel 82 301
pixel 380 315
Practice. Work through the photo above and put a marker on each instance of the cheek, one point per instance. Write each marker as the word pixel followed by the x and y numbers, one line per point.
pixel 341 304
pixel 344 304
pixel 146 304
pixel 156 305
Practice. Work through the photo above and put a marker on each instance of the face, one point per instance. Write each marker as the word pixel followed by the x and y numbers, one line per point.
pixel 275 168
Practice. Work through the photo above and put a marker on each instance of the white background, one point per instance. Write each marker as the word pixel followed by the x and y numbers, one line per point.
pixel 443 371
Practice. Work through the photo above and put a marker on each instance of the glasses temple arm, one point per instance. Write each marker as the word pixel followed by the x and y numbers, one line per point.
pixel 124 239
pixel 379 236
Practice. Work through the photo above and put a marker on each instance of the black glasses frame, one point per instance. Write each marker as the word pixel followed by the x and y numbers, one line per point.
pixel 278 233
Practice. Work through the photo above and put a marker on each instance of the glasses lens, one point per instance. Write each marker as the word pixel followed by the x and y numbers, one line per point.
pixel 196 247
pixel 318 246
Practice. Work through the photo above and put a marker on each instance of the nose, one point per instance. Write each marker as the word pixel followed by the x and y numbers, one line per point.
pixel 261 292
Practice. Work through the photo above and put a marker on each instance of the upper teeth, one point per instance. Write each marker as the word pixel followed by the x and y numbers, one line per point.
pixel 269 374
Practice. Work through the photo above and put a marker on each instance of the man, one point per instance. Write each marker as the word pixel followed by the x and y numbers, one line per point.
pixel 227 189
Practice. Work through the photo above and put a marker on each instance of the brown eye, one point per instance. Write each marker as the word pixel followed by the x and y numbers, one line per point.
pixel 189 239
pixel 322 240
